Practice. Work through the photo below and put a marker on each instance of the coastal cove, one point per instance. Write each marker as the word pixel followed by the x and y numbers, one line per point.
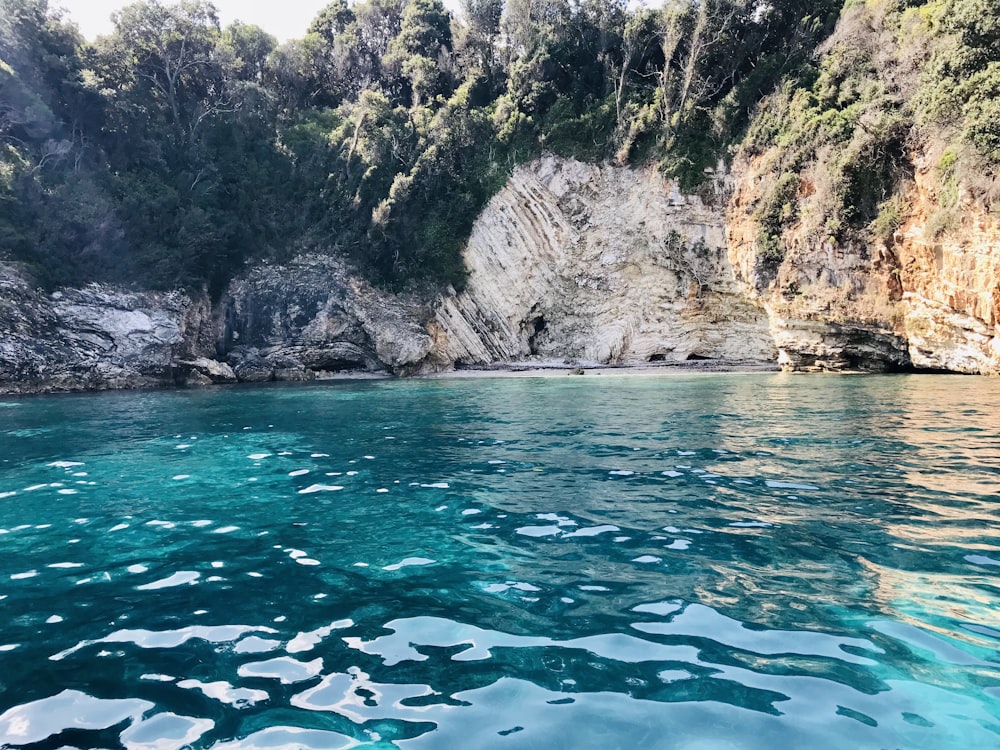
pixel 501 375
pixel 752 560
pixel 580 264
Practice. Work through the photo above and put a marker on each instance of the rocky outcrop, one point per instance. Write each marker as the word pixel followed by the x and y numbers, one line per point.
pixel 295 322
pixel 313 315
pixel 823 346
pixel 949 281
pixel 831 307
pixel 205 371
pixel 598 264
pixel 95 337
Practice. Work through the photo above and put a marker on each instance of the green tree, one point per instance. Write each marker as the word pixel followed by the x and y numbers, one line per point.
pixel 417 54
pixel 165 57
pixel 478 47
pixel 332 21
pixel 248 48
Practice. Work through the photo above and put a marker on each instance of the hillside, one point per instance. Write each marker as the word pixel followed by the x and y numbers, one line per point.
pixel 869 196
pixel 172 151
pixel 840 164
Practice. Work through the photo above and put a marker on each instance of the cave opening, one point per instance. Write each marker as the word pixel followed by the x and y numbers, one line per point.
pixel 890 366
pixel 538 325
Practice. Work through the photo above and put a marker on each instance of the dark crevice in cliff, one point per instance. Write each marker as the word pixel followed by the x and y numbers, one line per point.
pixel 914 370
pixel 538 326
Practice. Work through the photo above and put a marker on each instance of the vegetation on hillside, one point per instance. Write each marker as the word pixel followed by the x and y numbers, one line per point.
pixel 173 150
pixel 899 80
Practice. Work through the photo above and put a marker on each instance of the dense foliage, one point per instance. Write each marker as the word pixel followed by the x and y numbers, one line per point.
pixel 900 81
pixel 173 150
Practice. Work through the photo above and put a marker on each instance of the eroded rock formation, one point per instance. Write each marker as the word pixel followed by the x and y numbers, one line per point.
pixel 926 300
pixel 279 322
pixel 96 337
pixel 569 262
pixel 599 264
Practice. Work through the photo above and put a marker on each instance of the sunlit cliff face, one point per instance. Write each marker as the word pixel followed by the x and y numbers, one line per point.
pixel 601 264
pixel 936 293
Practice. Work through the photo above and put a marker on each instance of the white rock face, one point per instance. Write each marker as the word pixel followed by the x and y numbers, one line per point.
pixel 598 264
pixel 137 327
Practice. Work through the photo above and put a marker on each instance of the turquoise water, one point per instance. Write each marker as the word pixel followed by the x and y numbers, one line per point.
pixel 731 561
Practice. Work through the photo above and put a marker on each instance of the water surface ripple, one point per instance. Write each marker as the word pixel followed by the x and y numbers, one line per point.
pixel 731 561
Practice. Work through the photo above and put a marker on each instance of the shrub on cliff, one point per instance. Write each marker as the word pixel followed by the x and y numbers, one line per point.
pixel 895 78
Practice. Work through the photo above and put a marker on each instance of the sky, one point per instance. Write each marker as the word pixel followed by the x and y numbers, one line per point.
pixel 285 19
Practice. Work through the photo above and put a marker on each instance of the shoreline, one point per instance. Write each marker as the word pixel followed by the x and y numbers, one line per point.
pixel 517 369
pixel 555 368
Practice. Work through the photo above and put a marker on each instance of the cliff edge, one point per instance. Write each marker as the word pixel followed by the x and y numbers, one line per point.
pixel 570 262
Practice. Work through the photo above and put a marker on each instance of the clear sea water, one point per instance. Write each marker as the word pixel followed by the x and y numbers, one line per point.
pixel 682 562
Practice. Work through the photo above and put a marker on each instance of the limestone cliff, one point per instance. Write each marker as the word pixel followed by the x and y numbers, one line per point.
pixel 599 264
pixel 569 262
pixel 292 322
pixel 949 284
pixel 831 306
pixel 922 300
pixel 864 214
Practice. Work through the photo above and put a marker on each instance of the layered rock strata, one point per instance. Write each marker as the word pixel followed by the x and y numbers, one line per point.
pixel 568 263
pixel 925 300
pixel 603 265
pixel 949 282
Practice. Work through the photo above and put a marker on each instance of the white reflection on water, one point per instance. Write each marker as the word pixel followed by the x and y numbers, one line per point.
pixel 253 644
pixel 309 640
pixel 699 621
pixel 169 638
pixel 290 737
pixel 165 731
pixel 225 693
pixel 179 578
pixel 400 645
pixel 283 668
pixel 70 709
pixel 357 697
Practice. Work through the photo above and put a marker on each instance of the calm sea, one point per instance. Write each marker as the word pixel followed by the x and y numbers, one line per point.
pixel 676 562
